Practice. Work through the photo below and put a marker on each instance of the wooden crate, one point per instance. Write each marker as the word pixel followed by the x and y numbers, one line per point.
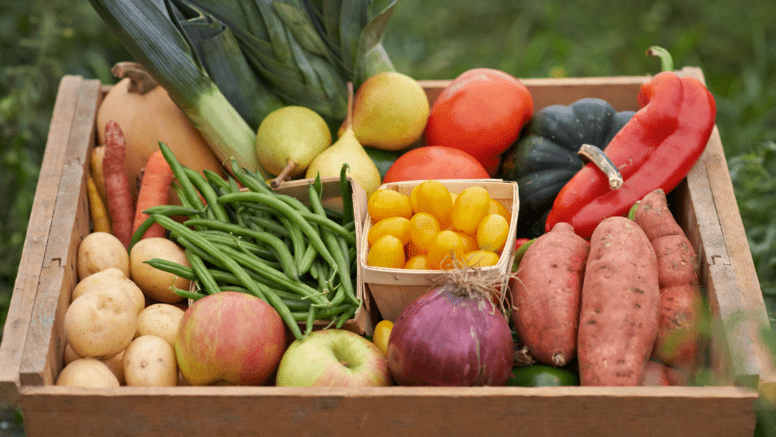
pixel 32 347
pixel 393 289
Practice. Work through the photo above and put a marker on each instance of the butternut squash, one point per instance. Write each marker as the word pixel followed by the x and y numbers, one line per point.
pixel 147 115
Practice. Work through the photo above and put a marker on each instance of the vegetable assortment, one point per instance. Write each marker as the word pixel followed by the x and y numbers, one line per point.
pixel 298 258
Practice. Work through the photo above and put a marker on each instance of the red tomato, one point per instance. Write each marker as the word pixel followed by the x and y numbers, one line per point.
pixel 481 112
pixel 435 162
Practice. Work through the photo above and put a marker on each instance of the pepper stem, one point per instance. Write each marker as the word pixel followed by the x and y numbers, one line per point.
pixel 596 156
pixel 666 61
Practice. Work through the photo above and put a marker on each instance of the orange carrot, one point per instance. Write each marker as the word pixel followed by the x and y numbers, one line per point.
pixel 154 190
pixel 119 197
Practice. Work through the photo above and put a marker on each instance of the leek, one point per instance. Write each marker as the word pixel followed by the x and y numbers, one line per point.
pixel 228 63
pixel 147 31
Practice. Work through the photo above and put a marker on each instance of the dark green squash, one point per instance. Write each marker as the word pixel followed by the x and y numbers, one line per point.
pixel 545 158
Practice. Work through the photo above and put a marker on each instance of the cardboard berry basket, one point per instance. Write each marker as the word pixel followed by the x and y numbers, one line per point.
pixel 393 289
pixel 31 353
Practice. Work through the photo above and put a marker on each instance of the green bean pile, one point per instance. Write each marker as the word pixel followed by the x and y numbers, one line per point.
pixel 300 259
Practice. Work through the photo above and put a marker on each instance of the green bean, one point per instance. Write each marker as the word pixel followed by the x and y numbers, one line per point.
pixel 193 295
pixel 207 191
pixel 285 257
pixel 343 266
pixel 276 277
pixel 256 249
pixel 286 210
pixel 298 245
pixel 188 190
pixel 216 180
pixel 167 210
pixel 307 260
pixel 235 268
pixel 268 224
pixel 164 265
pixel 347 195
pixel 203 274
pixel 331 225
pixel 310 321
pixel 249 180
pixel 346 315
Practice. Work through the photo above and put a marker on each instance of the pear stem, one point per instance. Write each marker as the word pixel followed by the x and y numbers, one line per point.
pixel 290 166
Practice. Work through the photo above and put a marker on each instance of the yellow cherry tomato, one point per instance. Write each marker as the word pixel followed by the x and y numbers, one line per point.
pixel 385 203
pixel 382 334
pixel 492 232
pixel 387 252
pixel 443 250
pixel 399 227
pixel 480 258
pixel 423 227
pixel 469 242
pixel 471 206
pixel 497 207
pixel 434 198
pixel 417 262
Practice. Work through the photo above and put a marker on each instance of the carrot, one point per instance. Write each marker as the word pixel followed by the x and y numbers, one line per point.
pixel 120 204
pixel 154 191
pixel 679 334
pixel 546 295
pixel 618 318
pixel 97 210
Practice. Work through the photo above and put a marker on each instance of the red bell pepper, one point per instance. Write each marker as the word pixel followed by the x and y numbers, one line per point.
pixel 655 149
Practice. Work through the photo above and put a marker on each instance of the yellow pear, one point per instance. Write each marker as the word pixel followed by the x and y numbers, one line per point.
pixel 347 149
pixel 390 111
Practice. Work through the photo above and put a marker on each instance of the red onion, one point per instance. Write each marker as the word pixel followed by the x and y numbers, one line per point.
pixel 452 335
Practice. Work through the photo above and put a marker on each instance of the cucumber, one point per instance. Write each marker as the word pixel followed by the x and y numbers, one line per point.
pixel 539 375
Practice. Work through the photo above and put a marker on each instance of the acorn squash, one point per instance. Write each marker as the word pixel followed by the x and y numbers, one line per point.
pixel 545 158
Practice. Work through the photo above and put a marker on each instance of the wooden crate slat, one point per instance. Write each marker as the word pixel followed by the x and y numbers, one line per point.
pixel 44 347
pixel 38 228
pixel 417 411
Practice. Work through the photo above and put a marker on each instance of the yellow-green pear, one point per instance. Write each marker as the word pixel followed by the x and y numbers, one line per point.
pixel 347 149
pixel 390 111
pixel 289 138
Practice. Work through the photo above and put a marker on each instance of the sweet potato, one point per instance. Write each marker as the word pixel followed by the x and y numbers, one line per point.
pixel 546 294
pixel 618 317
pixel 679 334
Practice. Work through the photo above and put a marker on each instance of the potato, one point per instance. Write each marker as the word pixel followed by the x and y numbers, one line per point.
pixel 114 363
pixel 114 278
pixel 87 372
pixel 99 251
pixel 100 323
pixel 150 361
pixel 161 320
pixel 156 283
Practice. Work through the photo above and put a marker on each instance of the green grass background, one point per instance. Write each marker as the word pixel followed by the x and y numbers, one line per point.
pixel 734 44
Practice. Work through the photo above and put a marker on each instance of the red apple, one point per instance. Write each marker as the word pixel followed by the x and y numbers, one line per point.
pixel 333 358
pixel 229 338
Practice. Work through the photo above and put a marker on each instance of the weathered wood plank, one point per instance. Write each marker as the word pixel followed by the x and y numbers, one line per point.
pixel 411 411
pixel 38 228
pixel 45 345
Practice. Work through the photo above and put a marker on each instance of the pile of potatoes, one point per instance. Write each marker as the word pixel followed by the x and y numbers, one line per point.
pixel 123 317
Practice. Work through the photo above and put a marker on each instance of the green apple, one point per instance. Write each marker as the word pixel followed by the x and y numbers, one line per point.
pixel 229 338
pixel 333 358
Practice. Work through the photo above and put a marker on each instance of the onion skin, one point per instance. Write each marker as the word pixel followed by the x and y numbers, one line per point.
pixel 443 339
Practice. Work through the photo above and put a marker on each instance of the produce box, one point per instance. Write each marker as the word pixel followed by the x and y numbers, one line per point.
pixel 32 347
pixel 394 289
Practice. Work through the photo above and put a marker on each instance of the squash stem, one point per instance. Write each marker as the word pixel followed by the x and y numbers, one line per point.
pixel 597 156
